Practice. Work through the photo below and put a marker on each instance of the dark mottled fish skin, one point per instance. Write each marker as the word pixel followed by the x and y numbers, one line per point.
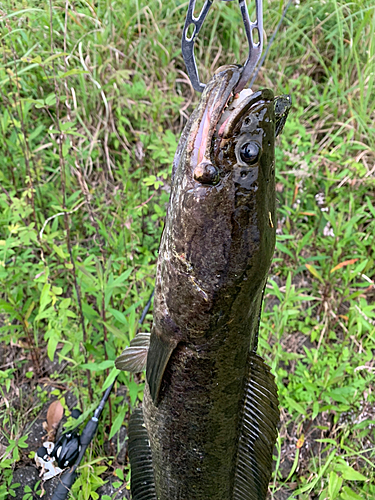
pixel 282 107
pixel 210 404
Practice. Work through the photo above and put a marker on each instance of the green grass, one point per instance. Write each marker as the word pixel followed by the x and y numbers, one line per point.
pixel 91 133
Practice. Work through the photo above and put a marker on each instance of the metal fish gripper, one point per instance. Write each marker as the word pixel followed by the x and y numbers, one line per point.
pixel 255 48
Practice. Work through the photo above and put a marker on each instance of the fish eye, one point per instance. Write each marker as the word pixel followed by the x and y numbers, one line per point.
pixel 249 152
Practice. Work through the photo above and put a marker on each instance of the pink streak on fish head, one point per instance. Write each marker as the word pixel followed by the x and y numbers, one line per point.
pixel 201 139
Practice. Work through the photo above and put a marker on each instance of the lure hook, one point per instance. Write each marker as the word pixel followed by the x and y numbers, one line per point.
pixel 255 49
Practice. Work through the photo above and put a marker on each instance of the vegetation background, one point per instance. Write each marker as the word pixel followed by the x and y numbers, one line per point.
pixel 93 98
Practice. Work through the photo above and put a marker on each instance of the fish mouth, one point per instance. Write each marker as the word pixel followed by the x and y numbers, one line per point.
pixel 208 114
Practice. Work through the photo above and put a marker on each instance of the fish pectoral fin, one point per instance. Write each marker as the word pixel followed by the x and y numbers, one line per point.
pixel 142 482
pixel 133 358
pixel 258 432
pixel 158 356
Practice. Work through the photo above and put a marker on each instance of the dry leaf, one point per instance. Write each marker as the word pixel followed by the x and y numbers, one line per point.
pixel 300 441
pixel 343 264
pixel 128 223
pixel 139 152
pixel 54 415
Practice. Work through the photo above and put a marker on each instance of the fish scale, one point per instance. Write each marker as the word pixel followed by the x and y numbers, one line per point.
pixel 209 419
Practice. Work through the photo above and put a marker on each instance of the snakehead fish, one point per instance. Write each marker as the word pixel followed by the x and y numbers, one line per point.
pixel 208 423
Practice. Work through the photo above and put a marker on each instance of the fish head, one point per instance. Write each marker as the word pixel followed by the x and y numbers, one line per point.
pixel 244 148
pixel 220 230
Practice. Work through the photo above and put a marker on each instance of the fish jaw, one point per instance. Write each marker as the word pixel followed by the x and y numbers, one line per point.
pixel 204 120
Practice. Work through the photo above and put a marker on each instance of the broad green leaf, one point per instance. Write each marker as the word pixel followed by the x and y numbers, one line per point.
pixel 60 252
pixel 284 249
pixel 111 378
pixel 119 316
pixel 334 485
pixel 50 100
pixel 67 125
pixel 123 277
pixel 296 406
pixel 36 132
pixel 54 56
pixel 315 410
pixel 97 367
pixel 52 344
pixel 6 307
pixel 120 474
pixel 348 494
pixel 50 311
pixel 117 333
pixel 45 297
pixel 133 389
pixel 108 363
pixel 118 422
pixel 100 469
pixel 89 312
pixel 349 473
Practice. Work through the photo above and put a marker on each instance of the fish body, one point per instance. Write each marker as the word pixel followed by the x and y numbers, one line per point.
pixel 209 418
